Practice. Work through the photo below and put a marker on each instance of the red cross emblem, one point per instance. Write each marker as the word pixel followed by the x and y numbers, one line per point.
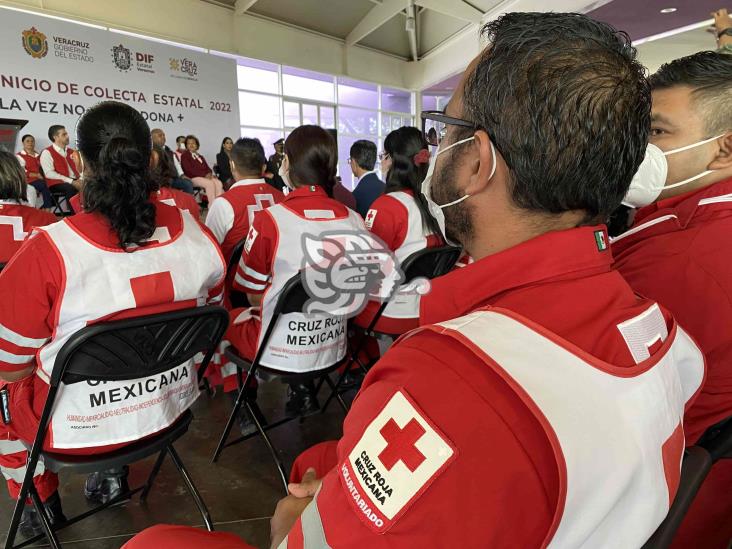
pixel 400 445
pixel 370 217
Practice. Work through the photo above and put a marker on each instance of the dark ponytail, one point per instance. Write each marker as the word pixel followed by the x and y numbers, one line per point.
pixel 409 155
pixel 312 156
pixel 114 141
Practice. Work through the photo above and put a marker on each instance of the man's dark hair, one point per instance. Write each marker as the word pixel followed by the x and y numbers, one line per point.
pixel 364 153
pixel 248 155
pixel 53 131
pixel 568 106
pixel 709 74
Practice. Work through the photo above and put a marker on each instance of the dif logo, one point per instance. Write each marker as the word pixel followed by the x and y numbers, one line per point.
pixel 124 59
pixel 146 58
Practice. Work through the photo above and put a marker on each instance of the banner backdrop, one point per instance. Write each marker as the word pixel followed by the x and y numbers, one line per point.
pixel 52 70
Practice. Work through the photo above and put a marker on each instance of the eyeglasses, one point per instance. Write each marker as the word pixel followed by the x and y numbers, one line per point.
pixel 383 155
pixel 434 125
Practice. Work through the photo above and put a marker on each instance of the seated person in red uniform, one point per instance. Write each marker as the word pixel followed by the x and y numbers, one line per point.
pixel 60 163
pixel 30 159
pixel 196 169
pixel 122 256
pixel 163 171
pixel 17 219
pixel 678 251
pixel 541 400
pixel 402 220
pixel 274 253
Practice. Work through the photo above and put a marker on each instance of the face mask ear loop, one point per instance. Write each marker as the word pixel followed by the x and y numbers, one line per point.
pixel 693 145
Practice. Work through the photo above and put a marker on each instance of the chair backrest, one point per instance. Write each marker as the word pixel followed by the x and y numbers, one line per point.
pixel 695 468
pixel 2 266
pixel 236 255
pixel 431 262
pixel 717 440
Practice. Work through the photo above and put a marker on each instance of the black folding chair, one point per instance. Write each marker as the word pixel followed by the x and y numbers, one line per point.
pixel 2 266
pixel 695 468
pixel 116 351
pixel 717 440
pixel 292 300
pixel 61 205
pixel 428 263
pixel 237 298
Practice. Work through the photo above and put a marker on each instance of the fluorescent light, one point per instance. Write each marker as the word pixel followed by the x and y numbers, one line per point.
pixel 673 32
pixel 55 17
pixel 668 10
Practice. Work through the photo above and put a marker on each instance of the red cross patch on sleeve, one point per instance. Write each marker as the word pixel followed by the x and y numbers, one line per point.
pixel 395 461
pixel 370 216
pixel 251 237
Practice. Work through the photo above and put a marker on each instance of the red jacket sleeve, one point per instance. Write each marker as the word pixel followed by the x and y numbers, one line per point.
pixel 255 265
pixel 499 488
pixel 388 219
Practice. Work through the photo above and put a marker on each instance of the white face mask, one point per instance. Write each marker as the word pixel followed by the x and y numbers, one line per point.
pixel 181 146
pixel 284 173
pixel 436 209
pixel 650 179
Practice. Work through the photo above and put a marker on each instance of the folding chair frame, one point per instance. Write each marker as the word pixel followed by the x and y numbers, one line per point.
pixel 293 285
pixel 67 354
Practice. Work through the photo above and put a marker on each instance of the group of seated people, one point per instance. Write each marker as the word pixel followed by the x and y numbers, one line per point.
pixel 542 393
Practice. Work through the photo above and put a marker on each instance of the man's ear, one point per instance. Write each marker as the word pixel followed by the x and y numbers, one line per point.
pixel 723 160
pixel 480 162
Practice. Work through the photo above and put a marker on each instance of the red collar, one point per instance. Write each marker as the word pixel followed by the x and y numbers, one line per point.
pixel 676 213
pixel 309 191
pixel 557 255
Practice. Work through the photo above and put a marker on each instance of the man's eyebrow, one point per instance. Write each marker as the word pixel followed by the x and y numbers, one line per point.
pixel 656 117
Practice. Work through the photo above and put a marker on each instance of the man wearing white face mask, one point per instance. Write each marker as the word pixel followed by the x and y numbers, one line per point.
pixel 679 250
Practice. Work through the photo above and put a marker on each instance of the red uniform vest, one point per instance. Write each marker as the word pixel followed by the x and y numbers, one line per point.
pixel 32 164
pixel 63 165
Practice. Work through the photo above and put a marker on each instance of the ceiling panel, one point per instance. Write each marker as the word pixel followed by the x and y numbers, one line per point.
pixel 435 28
pixel 331 17
pixel 390 37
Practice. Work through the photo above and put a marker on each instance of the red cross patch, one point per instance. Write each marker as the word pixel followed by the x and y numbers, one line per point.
pixel 396 459
pixel 251 237
pixel 370 216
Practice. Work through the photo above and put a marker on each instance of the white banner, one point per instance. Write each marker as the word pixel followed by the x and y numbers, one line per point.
pixel 52 70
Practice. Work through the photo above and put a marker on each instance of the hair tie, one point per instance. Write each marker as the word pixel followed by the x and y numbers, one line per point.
pixel 422 157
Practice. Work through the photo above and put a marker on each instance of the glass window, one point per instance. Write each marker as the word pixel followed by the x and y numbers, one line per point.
pixel 256 79
pixel 309 114
pixel 357 94
pixel 396 100
pixel 357 121
pixel 267 137
pixel 292 114
pixel 327 117
pixel 434 102
pixel 259 110
pixel 308 85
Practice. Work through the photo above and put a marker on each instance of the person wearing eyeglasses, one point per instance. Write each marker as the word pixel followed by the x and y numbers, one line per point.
pixel 540 402
pixel 362 161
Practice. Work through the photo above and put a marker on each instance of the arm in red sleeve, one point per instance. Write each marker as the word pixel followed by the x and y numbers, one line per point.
pixel 255 267
pixel 29 287
pixel 187 163
pixel 499 488
pixel 389 221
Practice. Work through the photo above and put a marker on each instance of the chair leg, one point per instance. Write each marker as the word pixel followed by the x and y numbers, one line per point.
pixel 337 394
pixel 229 425
pixel 38 504
pixel 153 474
pixel 17 515
pixel 268 442
pixel 192 489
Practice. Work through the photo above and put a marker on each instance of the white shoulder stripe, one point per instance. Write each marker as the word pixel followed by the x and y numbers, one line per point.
pixel 256 275
pixel 16 339
pixel 643 226
pixel 251 285
pixel 715 199
pixel 10 358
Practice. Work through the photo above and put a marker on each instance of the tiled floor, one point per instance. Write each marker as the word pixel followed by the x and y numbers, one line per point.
pixel 241 490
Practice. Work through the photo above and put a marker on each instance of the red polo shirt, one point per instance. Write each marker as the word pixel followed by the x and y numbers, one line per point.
pixel 679 253
pixel 501 490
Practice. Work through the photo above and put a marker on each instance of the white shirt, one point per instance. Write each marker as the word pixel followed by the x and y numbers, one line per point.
pixel 220 218
pixel 178 167
pixel 47 165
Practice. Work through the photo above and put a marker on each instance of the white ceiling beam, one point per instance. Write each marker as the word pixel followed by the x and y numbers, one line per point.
pixel 377 16
pixel 453 8
pixel 242 6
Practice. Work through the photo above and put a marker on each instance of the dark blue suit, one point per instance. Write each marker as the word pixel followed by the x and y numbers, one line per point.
pixel 369 188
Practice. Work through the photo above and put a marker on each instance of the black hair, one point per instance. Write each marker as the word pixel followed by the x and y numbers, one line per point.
pixel 12 178
pixel 224 140
pixel 567 105
pixel 163 168
pixel 198 143
pixel 364 153
pixel 178 139
pixel 53 131
pixel 709 74
pixel 403 145
pixel 25 136
pixel 114 141
pixel 312 155
pixel 248 156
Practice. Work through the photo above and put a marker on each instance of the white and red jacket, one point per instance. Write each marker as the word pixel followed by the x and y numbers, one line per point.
pixel 16 223
pixel 73 274
pixel 61 164
pixel 31 164
pixel 397 220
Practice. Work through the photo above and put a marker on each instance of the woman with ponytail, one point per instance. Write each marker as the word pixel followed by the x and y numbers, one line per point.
pixel 402 220
pixel 122 256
